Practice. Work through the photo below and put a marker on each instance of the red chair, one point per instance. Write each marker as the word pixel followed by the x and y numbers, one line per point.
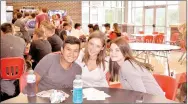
pixel 148 39
pixel 159 39
pixel 139 39
pixel 155 33
pixel 141 32
pixel 173 39
pixel 117 85
pixel 12 68
pixel 181 78
pixel 168 85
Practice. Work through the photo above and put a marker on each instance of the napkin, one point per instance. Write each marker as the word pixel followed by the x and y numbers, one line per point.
pixel 57 97
pixel 94 94
pixel 49 92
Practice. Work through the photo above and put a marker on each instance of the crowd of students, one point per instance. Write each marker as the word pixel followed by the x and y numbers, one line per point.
pixel 56 55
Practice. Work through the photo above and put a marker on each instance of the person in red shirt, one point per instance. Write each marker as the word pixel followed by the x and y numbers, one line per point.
pixel 116 33
pixel 41 17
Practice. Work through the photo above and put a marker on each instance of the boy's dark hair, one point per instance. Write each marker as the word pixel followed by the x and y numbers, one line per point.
pixel 26 14
pixel 62 34
pixel 107 25
pixel 71 40
pixel 65 24
pixel 96 27
pixel 6 27
pixel 90 25
pixel 14 20
pixel 44 10
pixel 77 25
pixel 33 15
pixel 19 15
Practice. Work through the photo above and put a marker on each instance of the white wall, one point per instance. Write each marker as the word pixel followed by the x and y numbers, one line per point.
pixel 3 12
pixel 182 11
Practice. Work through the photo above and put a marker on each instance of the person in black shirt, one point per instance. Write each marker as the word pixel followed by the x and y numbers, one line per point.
pixel 54 39
pixel 39 47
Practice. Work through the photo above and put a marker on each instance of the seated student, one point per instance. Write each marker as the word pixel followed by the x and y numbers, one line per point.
pixel 92 61
pixel 57 71
pixel 55 40
pixel 63 35
pixel 107 29
pixel 115 33
pixel 23 29
pixel 90 27
pixel 133 75
pixel 77 31
pixel 65 31
pixel 11 46
pixel 39 47
pixel 96 27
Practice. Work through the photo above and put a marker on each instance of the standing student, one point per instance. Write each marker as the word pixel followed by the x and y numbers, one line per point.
pixel 41 16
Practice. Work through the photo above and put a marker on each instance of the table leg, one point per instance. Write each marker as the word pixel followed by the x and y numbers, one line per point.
pixel 168 68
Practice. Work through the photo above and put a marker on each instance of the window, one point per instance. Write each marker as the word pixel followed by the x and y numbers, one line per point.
pixel 101 12
pixel 142 13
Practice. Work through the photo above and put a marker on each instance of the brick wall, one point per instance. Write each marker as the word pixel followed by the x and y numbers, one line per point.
pixel 73 7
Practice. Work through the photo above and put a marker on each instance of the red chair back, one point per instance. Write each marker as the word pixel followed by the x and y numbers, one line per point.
pixel 155 33
pixel 12 68
pixel 181 78
pixel 148 39
pixel 168 85
pixel 174 37
pixel 159 39
pixel 117 85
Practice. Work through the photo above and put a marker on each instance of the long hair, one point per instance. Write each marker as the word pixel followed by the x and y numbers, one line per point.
pixel 101 56
pixel 117 30
pixel 127 53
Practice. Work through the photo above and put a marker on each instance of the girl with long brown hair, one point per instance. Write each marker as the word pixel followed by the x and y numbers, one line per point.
pixel 132 74
pixel 92 61
pixel 115 33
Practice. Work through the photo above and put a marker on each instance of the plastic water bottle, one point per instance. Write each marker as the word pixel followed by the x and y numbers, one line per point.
pixel 31 83
pixel 77 90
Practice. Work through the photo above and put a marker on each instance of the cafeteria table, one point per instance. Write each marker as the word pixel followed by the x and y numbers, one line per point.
pixel 117 96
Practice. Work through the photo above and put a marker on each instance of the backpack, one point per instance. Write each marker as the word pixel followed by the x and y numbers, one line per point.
pixel 31 24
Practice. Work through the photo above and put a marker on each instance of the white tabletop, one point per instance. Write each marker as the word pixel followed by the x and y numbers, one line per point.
pixel 152 47
pixel 140 35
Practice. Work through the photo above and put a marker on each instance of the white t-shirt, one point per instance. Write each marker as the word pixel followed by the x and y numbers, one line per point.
pixel 94 78
pixel 77 33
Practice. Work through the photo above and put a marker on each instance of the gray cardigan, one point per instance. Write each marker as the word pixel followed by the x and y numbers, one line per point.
pixel 137 79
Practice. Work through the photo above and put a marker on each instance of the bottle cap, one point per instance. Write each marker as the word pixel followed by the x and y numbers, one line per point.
pixel 78 77
pixel 30 72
